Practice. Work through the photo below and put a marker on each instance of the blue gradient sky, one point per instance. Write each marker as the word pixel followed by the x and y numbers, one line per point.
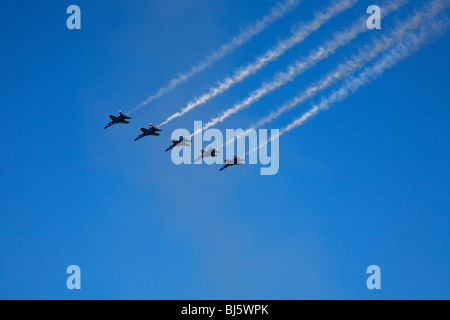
pixel 365 183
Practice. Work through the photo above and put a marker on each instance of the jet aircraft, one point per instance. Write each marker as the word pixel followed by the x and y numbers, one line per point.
pixel 151 131
pixel 180 143
pixel 208 153
pixel 229 163
pixel 121 118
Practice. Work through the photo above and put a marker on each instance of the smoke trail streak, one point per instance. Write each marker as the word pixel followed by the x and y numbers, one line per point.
pixel 364 55
pixel 339 39
pixel 356 61
pixel 398 53
pixel 299 34
pixel 276 13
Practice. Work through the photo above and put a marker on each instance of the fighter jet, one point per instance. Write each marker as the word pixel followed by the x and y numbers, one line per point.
pixel 122 118
pixel 229 163
pixel 151 131
pixel 181 143
pixel 209 153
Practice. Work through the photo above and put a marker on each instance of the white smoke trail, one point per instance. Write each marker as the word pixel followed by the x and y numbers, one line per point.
pixel 276 13
pixel 339 39
pixel 398 53
pixel 366 55
pixel 299 34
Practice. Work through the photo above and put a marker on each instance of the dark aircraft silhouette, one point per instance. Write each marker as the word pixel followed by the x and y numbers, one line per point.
pixel 151 131
pixel 209 153
pixel 229 163
pixel 122 118
pixel 181 143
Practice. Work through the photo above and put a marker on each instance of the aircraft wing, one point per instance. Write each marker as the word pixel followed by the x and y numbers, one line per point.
pixel 225 166
pixel 140 137
pixel 112 117
pixel 170 148
pixel 154 134
pixel 144 130
pixel 173 140
pixel 109 125
pixel 125 121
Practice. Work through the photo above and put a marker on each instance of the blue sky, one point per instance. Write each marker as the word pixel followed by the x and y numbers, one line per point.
pixel 364 183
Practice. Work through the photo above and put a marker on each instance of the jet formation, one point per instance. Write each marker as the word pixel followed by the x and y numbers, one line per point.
pixel 182 141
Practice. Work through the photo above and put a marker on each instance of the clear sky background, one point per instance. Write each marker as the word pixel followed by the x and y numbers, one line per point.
pixel 364 183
